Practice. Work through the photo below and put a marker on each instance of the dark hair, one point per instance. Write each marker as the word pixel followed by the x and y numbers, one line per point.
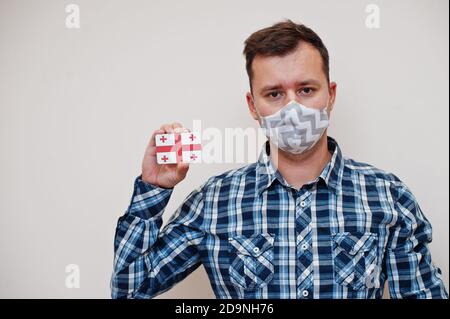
pixel 281 39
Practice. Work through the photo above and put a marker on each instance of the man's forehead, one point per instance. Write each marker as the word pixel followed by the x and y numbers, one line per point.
pixel 298 66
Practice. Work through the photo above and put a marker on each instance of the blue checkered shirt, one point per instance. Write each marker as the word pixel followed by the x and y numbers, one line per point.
pixel 340 236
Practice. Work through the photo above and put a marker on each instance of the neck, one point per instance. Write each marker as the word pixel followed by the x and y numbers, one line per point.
pixel 300 169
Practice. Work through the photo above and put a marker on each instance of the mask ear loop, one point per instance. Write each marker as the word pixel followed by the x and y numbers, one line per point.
pixel 328 105
pixel 325 110
pixel 270 130
pixel 256 110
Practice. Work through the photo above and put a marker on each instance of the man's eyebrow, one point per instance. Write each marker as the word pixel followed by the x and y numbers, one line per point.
pixel 270 87
pixel 308 82
pixel 299 83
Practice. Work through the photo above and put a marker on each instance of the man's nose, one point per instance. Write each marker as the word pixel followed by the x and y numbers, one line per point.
pixel 291 96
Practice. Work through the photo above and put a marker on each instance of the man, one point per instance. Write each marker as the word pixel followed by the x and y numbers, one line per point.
pixel 301 222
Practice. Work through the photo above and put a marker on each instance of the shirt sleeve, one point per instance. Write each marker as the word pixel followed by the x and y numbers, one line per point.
pixel 410 270
pixel 147 260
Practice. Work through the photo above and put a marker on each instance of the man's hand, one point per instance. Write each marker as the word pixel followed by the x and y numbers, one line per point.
pixel 168 175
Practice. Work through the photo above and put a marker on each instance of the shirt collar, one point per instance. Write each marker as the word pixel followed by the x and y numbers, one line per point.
pixel 266 173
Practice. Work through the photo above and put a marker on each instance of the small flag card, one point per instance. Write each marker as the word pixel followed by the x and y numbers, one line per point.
pixel 175 148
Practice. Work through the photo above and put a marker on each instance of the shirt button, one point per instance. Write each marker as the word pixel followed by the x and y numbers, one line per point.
pixel 256 250
pixel 305 246
pixel 305 293
pixel 302 204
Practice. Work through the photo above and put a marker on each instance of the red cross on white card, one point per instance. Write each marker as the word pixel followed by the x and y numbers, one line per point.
pixel 174 148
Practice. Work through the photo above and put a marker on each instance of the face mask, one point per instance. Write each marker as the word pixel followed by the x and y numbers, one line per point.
pixel 295 128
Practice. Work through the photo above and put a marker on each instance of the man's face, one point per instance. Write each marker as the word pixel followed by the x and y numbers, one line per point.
pixel 297 76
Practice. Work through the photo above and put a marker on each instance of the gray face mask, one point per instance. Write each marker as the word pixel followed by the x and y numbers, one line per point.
pixel 295 128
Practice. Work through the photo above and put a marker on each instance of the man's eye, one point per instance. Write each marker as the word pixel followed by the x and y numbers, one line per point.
pixel 307 91
pixel 273 94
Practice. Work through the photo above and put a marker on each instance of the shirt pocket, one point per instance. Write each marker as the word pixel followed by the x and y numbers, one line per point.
pixel 251 260
pixel 355 259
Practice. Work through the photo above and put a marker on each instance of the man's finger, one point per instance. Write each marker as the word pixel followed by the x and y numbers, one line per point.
pixel 152 138
pixel 182 169
pixel 181 130
pixel 176 125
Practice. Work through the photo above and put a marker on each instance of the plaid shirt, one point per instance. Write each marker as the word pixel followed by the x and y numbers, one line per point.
pixel 340 236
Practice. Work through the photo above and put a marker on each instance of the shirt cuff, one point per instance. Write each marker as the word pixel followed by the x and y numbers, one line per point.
pixel 148 200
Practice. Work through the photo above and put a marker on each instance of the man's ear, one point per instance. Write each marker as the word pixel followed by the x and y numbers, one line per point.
pixel 332 91
pixel 251 106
